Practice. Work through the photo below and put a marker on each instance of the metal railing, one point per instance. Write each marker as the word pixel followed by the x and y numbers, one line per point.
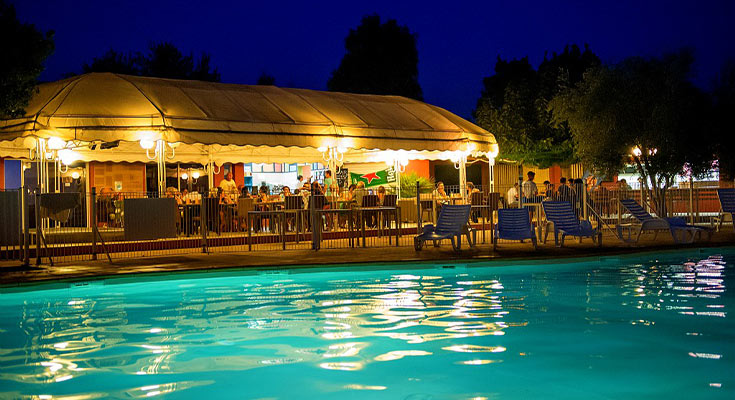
pixel 85 226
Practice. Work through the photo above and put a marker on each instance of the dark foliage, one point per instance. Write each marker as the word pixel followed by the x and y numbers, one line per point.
pixel 23 50
pixel 514 106
pixel 380 58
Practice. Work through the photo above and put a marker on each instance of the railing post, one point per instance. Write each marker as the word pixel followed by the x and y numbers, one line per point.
pixel 313 217
pixel 26 227
pixel 584 201
pixel 691 200
pixel 39 227
pixel 419 211
pixel 204 220
pixel 93 211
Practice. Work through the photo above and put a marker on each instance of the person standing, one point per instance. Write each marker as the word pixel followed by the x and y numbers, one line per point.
pixel 330 185
pixel 530 191
pixel 300 182
pixel 229 187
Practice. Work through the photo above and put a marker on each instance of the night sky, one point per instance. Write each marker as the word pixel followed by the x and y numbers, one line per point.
pixel 300 43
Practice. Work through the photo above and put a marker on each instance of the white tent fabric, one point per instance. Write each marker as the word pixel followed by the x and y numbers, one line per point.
pixel 250 123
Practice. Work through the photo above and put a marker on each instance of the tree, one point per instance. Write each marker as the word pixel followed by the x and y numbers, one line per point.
pixel 514 106
pixel 724 103
pixel 23 49
pixel 644 112
pixel 163 60
pixel 112 61
pixel 379 59
pixel 266 80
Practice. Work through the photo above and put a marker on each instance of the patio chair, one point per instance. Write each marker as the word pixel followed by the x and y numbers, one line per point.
pixel 566 223
pixel 727 206
pixel 451 224
pixel 514 224
pixel 680 231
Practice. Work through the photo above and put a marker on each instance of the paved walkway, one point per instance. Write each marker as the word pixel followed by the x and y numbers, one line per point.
pixel 11 274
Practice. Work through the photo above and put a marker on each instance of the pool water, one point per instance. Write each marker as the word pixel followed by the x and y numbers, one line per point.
pixel 655 326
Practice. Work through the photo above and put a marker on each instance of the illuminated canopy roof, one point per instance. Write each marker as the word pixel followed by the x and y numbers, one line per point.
pixel 248 120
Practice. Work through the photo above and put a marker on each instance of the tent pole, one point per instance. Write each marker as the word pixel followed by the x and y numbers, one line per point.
pixel 161 161
pixel 463 177
pixel 491 174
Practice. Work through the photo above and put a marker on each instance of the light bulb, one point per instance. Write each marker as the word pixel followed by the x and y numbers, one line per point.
pixel 147 144
pixel 195 174
pixel 75 175
pixel 67 156
pixel 636 152
pixel 185 176
pixel 55 143
pixel 322 149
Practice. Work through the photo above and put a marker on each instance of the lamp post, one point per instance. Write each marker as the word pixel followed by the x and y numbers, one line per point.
pixel 333 156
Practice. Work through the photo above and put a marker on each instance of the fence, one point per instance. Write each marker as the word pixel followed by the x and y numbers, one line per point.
pixel 85 226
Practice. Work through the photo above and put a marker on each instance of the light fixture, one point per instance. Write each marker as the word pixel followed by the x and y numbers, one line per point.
pixel 185 176
pixel 67 156
pixel 195 175
pixel 75 175
pixel 636 151
pixel 147 144
pixel 333 155
pixel 55 143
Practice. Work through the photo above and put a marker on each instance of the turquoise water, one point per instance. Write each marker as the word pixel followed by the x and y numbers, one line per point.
pixel 635 328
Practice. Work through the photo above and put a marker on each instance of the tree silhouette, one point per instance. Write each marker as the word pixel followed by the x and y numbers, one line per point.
pixel 648 104
pixel 514 106
pixel 23 50
pixel 163 60
pixel 266 80
pixel 380 58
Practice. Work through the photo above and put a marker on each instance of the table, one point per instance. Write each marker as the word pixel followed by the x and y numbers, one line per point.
pixel 539 212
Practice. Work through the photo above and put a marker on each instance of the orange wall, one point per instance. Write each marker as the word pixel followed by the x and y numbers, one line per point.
pixel 238 173
pixel 420 167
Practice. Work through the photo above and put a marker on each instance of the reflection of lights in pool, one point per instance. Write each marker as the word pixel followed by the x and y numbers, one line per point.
pixel 342 366
pixel 469 348
pixel 61 345
pixel 155 330
pixel 480 362
pixel 398 354
pixel 365 387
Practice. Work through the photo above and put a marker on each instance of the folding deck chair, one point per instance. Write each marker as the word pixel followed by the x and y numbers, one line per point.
pixel 680 231
pixel 514 224
pixel 566 223
pixel 451 224
pixel 727 206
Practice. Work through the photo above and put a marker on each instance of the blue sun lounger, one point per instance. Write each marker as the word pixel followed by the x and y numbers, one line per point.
pixel 680 231
pixel 566 223
pixel 451 224
pixel 727 206
pixel 514 224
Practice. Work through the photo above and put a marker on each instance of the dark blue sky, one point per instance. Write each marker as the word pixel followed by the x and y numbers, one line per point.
pixel 301 42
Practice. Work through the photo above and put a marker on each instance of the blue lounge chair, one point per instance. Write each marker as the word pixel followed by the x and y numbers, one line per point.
pixel 680 231
pixel 451 224
pixel 566 223
pixel 727 206
pixel 514 224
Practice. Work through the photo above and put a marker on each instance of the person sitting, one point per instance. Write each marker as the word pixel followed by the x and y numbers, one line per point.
pixel 623 185
pixel 512 197
pixel 381 194
pixel 471 189
pixel 549 193
pixel 285 192
pixel 565 192
pixel 440 195
pixel 229 187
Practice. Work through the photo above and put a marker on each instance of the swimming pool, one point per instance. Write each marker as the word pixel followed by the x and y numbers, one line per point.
pixel 654 326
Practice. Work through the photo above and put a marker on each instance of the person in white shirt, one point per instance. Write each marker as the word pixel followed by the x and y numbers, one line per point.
pixel 228 186
pixel 512 196
pixel 530 191
pixel 300 182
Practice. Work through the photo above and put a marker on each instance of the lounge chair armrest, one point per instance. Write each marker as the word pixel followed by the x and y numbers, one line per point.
pixel 585 225
pixel 428 228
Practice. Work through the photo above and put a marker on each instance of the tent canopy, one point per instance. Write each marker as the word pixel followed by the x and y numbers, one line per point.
pixel 263 121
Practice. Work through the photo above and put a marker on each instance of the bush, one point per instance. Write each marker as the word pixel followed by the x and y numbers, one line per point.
pixel 408 184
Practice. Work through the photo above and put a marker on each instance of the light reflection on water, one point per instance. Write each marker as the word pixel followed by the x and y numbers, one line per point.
pixel 481 332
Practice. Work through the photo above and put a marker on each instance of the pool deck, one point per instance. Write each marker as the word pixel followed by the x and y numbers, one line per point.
pixel 11 274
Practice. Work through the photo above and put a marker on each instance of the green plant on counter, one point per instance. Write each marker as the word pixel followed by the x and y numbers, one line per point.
pixel 408 184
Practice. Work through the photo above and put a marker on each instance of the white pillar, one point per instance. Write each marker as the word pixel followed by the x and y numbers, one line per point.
pixel 463 177
pixel 491 174
pixel 161 162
